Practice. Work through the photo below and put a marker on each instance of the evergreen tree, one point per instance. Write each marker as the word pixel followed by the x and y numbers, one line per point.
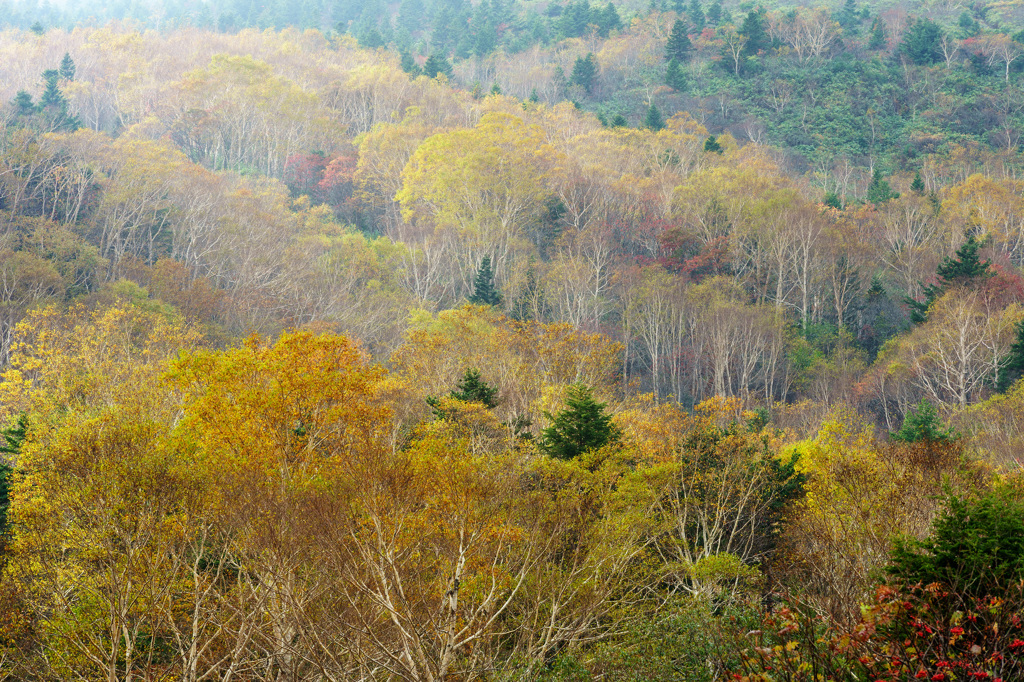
pixel 753 28
pixel 608 20
pixel 849 17
pixel 922 425
pixel 654 121
pixel 619 121
pixel 67 68
pixel 715 13
pixel 581 427
pixel 697 18
pixel 53 106
pixel 37 28
pixel 879 190
pixel 975 550
pixel 495 89
pixel 437 65
pixel 832 200
pixel 921 42
pixel 881 319
pixel 534 97
pixel 964 269
pixel 877 41
pixel 11 440
pixel 51 96
pixel 679 46
pixel 584 71
pixel 675 78
pixel 1011 368
pixel 23 104
pixel 409 64
pixel 917 186
pixel 969 27
pixel 711 145
pixel 471 388
pixel 484 292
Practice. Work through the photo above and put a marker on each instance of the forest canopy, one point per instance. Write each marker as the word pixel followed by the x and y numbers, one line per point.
pixel 435 340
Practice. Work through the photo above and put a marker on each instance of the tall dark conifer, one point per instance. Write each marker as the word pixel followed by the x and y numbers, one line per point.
pixel 484 291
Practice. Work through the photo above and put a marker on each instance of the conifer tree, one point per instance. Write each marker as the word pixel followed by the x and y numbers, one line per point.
pixel 753 28
pixel 923 425
pixel 471 388
pixel 1012 366
pixel 51 96
pixel 484 292
pixel 11 439
pixel 964 269
pixel 581 427
pixel 437 64
pixel 409 64
pixel 879 190
pixel 675 78
pixel 67 67
pixel 917 186
pixel 711 145
pixel 678 47
pixel 877 41
pixel 584 71
pixel 619 121
pixel 23 104
pixel 696 13
pixel 654 120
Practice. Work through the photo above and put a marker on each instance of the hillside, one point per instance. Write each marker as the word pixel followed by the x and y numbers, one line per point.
pixel 510 340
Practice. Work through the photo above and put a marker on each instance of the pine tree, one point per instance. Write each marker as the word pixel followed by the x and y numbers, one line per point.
pixel 608 20
pixel 534 97
pixel 23 104
pixel 11 440
pixel 654 120
pixel 581 427
pixel 753 29
pixel 964 269
pixel 409 64
pixel 921 42
pixel 917 186
pixel 584 71
pixel 484 292
pixel 437 65
pixel 849 17
pixel 877 41
pixel 711 145
pixel 471 388
pixel 879 190
pixel 715 12
pixel 51 96
pixel 67 67
pixel 678 46
pixel 923 425
pixel 1011 368
pixel 696 13
pixel 495 89
pixel 675 78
